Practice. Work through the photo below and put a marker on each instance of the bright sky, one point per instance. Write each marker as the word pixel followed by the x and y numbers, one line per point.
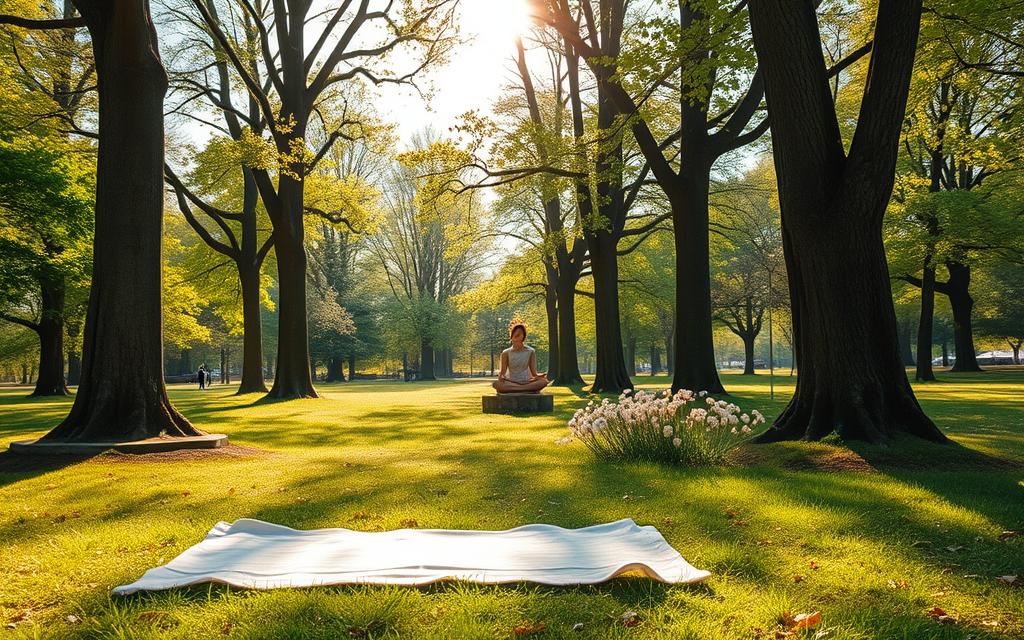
pixel 474 76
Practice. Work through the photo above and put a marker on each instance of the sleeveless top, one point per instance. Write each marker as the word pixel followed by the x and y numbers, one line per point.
pixel 519 364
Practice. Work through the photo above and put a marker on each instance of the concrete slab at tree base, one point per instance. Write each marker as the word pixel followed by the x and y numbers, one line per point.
pixel 513 403
pixel 149 445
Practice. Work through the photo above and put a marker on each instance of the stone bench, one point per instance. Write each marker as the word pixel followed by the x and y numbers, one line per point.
pixel 512 403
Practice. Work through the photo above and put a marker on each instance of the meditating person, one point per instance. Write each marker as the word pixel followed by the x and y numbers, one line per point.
pixel 519 365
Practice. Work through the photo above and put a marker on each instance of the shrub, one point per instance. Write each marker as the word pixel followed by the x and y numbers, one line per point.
pixel 684 428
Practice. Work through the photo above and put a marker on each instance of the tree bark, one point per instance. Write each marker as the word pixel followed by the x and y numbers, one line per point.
pixel 748 353
pixel 945 351
pixel 352 366
pixel 925 338
pixel 904 329
pixel 694 344
pixel 962 305
pixel 122 394
pixel 252 330
pixel 1016 350
pixel 336 369
pixel 427 361
pixel 611 375
pixel 655 360
pixel 568 371
pixel 51 339
pixel 292 379
pixel 551 308
pixel 852 380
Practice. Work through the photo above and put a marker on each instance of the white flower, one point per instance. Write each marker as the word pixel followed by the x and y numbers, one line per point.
pixel 600 424
pixel 712 422
pixel 676 442
pixel 745 418
pixel 667 431
pixel 703 393
pixel 745 429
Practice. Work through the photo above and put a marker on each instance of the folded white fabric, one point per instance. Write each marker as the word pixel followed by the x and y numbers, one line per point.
pixel 253 554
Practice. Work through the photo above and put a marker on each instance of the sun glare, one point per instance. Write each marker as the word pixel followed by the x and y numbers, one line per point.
pixel 495 23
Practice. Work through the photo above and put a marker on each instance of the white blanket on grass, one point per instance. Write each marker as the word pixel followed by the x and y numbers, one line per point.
pixel 253 554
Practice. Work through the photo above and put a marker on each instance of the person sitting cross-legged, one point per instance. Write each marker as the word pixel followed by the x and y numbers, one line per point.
pixel 519 365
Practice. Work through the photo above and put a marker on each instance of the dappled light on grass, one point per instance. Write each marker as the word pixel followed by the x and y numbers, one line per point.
pixel 378 456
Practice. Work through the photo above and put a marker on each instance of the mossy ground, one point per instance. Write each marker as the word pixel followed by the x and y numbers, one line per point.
pixel 872 537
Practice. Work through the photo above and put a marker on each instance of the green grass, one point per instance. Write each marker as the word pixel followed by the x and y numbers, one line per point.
pixel 372 456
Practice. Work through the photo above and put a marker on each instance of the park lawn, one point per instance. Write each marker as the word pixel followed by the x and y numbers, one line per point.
pixel 872 538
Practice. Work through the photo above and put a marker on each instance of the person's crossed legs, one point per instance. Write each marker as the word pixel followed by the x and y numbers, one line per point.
pixel 509 386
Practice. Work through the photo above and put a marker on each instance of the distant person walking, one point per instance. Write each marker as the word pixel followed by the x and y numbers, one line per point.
pixel 201 376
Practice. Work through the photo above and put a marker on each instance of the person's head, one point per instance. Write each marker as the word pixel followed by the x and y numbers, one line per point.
pixel 517 333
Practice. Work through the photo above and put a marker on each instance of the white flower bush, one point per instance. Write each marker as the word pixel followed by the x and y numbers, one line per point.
pixel 680 428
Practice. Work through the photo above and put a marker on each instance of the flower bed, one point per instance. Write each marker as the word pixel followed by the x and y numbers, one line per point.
pixel 680 428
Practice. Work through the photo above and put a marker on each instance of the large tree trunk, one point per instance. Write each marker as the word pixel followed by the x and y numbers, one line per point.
pixel 292 379
pixel 352 365
pixel 122 394
pixel 852 379
pixel 252 331
pixel 1016 350
pixel 962 305
pixel 568 371
pixel 655 360
pixel 551 309
pixel 904 333
pixel 694 344
pixel 924 371
pixel 51 339
pixel 611 376
pixel 336 369
pixel 748 352
pixel 427 361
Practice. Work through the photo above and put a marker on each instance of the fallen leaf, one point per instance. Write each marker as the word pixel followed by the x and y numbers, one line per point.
pixel 225 629
pixel 630 619
pixel 989 623
pixel 1009 580
pixel 764 543
pixel 529 628
pixel 231 491
pixel 186 494
pixel 409 523
pixel 798 578
pixel 956 547
pixel 813 565
pixel 1007 535
pixel 939 615
pixel 921 543
pixel 897 584
pixel 805 621
pixel 73 619
pixel 729 513
pixel 578 626
pixel 739 523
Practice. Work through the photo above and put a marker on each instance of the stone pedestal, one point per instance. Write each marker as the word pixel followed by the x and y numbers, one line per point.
pixel 151 445
pixel 514 403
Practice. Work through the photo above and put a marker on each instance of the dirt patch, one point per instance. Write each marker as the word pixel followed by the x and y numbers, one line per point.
pixel 21 463
pixel 186 455
pixel 808 456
